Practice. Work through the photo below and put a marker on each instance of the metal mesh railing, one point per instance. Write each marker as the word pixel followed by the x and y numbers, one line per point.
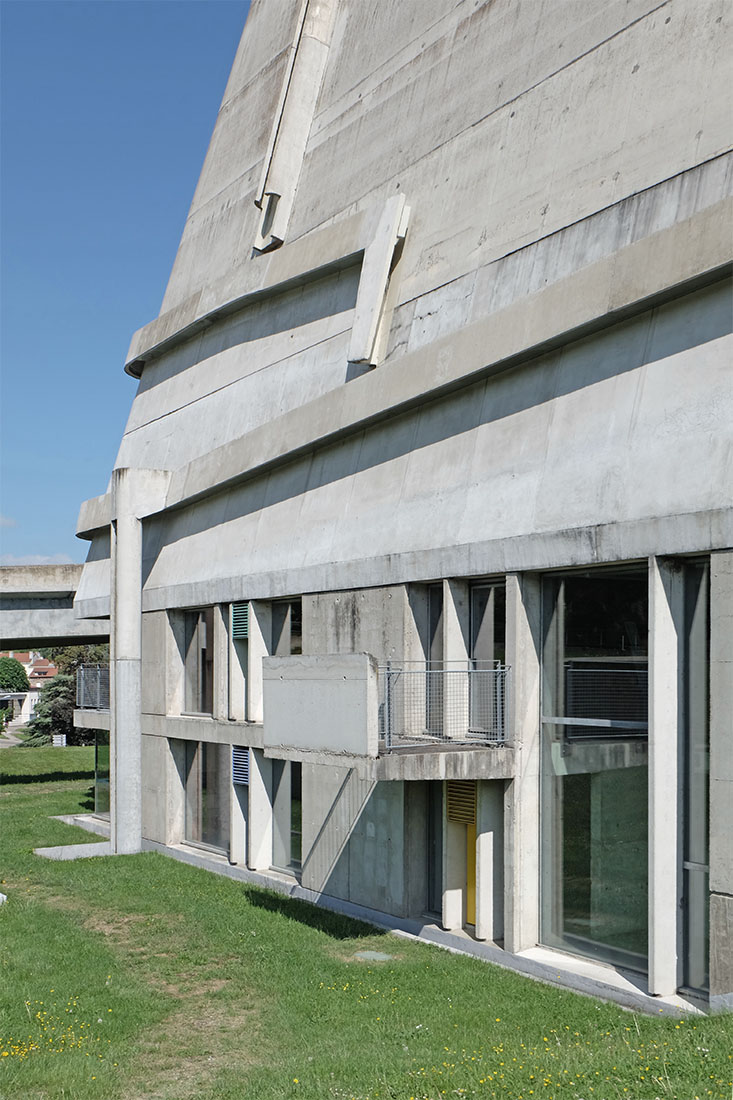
pixel 603 702
pixel 424 705
pixel 92 687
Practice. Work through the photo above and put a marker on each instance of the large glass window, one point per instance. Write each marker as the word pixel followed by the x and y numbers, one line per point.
pixel 101 773
pixel 287 815
pixel 199 661
pixel 696 704
pixel 208 787
pixel 594 783
pixel 488 648
pixel 287 628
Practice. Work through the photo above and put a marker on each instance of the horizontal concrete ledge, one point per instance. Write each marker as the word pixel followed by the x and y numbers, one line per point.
pixel 489 762
pixel 628 540
pixel 195 727
pixel 94 514
pixel 76 851
pixel 320 253
pixel 91 719
pixel 647 273
pixel 363 765
pixel 90 822
pixel 601 982
pixel 40 580
pixel 650 272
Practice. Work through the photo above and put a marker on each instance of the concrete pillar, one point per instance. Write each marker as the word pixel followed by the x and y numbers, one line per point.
pixel 135 493
pixel 666 626
pixel 521 804
pixel 456 642
pixel 260 811
pixel 176 792
pixel 238 814
pixel 220 641
pixel 258 646
pixel 456 646
pixel 126 635
pixel 454 874
pixel 721 781
pixel 490 860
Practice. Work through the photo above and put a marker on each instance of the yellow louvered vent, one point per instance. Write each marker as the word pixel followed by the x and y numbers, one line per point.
pixel 461 801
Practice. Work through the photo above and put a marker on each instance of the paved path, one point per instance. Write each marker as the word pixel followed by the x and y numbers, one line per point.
pixel 8 737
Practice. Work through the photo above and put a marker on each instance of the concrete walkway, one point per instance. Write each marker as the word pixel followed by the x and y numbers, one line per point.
pixel 8 737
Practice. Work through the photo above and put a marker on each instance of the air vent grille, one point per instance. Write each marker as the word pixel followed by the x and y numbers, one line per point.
pixel 240 620
pixel 461 801
pixel 240 766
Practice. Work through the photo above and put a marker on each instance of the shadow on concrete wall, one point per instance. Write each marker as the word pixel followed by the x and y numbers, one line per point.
pixel 689 321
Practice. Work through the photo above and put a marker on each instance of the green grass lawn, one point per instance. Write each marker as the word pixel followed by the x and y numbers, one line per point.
pixel 136 976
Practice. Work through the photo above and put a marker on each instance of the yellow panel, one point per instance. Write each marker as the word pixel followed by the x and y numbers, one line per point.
pixel 470 874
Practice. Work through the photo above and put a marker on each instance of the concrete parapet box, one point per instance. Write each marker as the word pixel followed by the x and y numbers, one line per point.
pixel 326 704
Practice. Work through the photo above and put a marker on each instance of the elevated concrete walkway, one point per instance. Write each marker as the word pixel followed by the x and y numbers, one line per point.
pixel 37 608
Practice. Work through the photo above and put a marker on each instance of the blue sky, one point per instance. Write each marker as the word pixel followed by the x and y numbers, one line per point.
pixel 107 111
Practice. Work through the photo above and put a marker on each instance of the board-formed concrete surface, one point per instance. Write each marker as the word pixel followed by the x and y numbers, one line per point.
pixel 450 322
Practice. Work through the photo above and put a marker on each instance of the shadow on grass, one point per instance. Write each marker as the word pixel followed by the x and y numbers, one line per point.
pixel 332 924
pixel 44 777
pixel 87 802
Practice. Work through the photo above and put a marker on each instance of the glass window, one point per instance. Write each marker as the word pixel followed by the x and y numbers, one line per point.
pixel 287 628
pixel 287 815
pixel 488 617
pixel 594 782
pixel 101 773
pixel 199 661
pixel 208 786
pixel 696 704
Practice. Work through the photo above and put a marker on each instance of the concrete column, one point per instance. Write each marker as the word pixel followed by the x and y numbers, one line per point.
pixel 455 621
pixel 238 813
pixel 721 781
pixel 259 645
pixel 490 860
pixel 135 493
pixel 521 804
pixel 455 655
pixel 260 811
pixel 454 874
pixel 221 662
pixel 126 618
pixel 176 792
pixel 666 624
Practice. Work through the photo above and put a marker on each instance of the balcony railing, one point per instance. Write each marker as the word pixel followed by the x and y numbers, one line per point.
pixel 447 704
pixel 92 687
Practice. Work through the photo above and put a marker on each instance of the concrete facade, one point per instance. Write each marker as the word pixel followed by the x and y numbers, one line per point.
pixel 422 524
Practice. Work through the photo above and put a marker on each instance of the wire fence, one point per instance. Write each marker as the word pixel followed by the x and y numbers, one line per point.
pixel 424 705
pixel 92 687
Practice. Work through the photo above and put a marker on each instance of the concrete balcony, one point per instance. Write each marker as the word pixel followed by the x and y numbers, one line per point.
pixel 396 722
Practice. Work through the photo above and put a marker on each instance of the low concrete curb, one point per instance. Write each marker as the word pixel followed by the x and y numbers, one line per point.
pixel 76 851
pixel 623 994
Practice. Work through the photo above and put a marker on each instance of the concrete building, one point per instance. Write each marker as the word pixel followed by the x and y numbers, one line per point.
pixel 418 550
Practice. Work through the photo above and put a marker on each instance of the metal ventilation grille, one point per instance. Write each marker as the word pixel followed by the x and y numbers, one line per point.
pixel 461 801
pixel 240 766
pixel 240 620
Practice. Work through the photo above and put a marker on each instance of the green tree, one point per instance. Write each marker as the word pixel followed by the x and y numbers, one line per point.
pixel 54 712
pixel 12 675
pixel 68 658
